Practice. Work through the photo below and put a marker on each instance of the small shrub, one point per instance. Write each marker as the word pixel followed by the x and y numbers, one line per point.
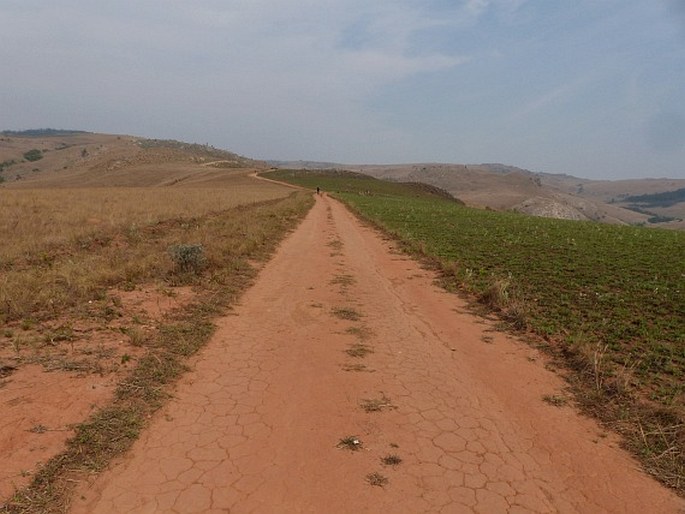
pixel 33 155
pixel 7 164
pixel 188 258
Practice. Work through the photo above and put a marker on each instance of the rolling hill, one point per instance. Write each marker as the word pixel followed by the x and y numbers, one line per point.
pixel 54 158
pixel 502 187
pixel 49 158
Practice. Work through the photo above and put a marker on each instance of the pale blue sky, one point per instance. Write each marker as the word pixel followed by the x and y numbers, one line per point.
pixel 594 88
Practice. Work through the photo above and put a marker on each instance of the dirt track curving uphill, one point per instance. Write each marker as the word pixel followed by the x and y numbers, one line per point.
pixel 343 338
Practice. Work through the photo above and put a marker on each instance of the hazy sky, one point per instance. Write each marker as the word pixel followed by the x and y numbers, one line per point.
pixel 594 88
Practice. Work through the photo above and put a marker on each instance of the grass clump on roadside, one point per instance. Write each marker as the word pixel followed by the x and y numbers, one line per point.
pixel 377 404
pixel 391 460
pixel 347 313
pixel 229 238
pixel 351 442
pixel 358 350
pixel 606 300
pixel 377 479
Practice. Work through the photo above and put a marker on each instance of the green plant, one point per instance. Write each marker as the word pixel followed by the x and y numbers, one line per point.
pixel 6 164
pixel 187 257
pixel 33 155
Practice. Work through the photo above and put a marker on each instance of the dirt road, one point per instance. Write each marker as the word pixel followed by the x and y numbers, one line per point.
pixel 344 339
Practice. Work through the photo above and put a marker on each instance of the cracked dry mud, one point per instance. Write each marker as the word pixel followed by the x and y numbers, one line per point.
pixel 256 426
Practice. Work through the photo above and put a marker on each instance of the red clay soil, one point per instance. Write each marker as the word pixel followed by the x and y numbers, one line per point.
pixel 39 407
pixel 257 425
pixel 37 411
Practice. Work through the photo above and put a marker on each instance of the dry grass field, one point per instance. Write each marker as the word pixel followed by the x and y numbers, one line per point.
pixel 105 291
pixel 38 220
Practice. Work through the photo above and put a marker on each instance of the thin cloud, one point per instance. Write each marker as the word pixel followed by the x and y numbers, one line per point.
pixel 353 80
pixel 551 98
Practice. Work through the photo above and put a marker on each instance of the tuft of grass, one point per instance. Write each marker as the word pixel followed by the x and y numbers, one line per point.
pixel 391 459
pixel 343 280
pixel 6 370
pixel 377 404
pixel 358 350
pixel 377 479
pixel 357 368
pixel 136 335
pixel 351 442
pixel 347 313
pixel 555 399
pixel 363 333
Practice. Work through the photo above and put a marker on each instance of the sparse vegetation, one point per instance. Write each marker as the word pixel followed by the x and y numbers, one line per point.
pixel 357 367
pixel 351 442
pixel 199 151
pixel 347 313
pixel 391 460
pixel 343 280
pixel 377 479
pixel 555 399
pixel 377 404
pixel 91 266
pixel 358 350
pixel 363 333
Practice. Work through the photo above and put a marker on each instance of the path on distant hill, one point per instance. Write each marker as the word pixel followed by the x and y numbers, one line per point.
pixel 257 426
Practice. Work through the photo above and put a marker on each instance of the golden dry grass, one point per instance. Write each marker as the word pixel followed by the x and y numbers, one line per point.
pixel 61 247
pixel 78 284
pixel 36 220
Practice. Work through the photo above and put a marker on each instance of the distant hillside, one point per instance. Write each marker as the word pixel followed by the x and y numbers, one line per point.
pixel 61 158
pixel 306 165
pixel 667 199
pixel 503 187
pixel 47 132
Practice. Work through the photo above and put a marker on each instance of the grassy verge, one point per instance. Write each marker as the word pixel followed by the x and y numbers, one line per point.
pixel 607 301
pixel 230 239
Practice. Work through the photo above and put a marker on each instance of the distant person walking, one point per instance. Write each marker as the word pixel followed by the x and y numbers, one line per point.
pixel 318 190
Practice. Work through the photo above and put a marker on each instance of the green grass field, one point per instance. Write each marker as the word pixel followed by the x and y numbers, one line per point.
pixel 608 299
